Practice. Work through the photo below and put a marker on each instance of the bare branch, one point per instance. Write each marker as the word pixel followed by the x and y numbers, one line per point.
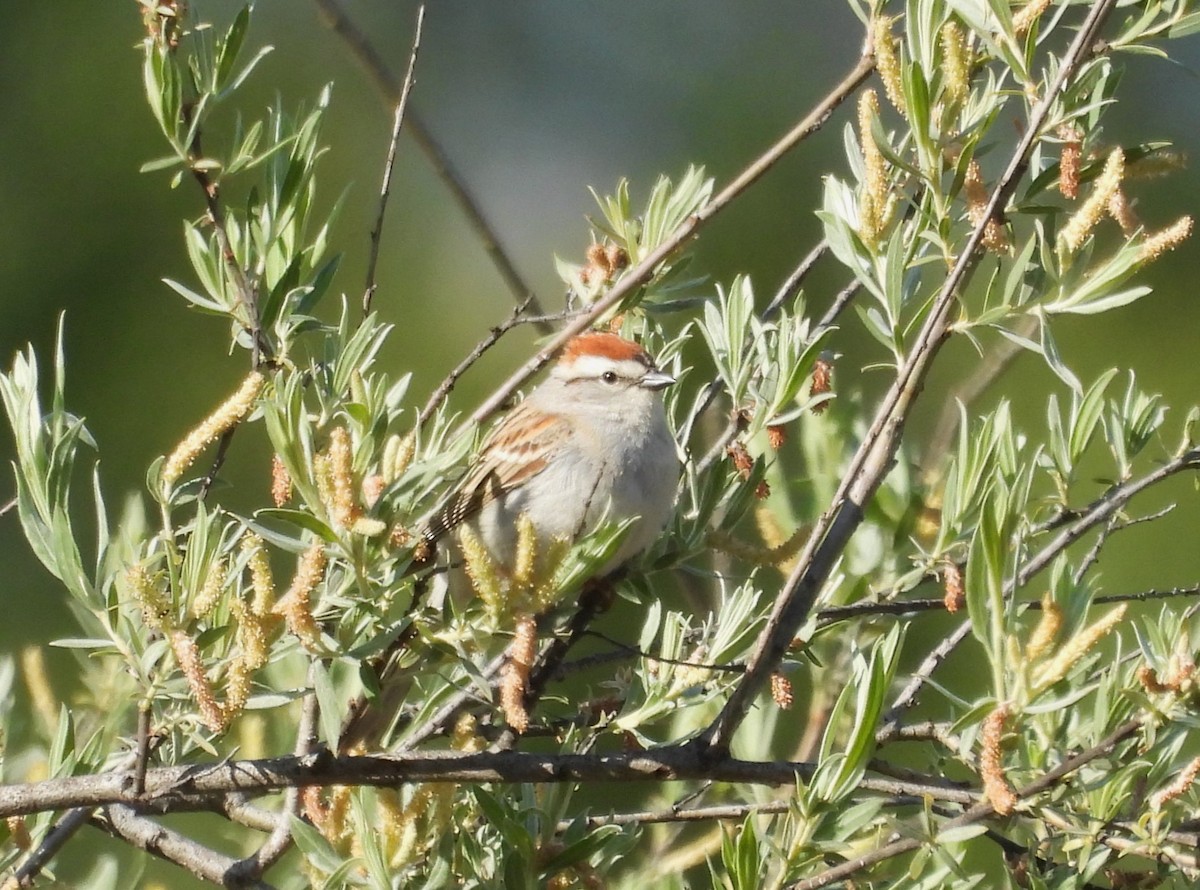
pixel 186 783
pixel 385 188
pixel 205 863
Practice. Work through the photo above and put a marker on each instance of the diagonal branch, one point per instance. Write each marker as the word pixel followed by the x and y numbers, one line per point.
pixel 875 455
pixel 389 164
pixel 643 271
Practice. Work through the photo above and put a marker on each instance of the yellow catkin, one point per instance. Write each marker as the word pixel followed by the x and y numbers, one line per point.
pixel 873 206
pixel 778 555
pixel 482 571
pixel 37 681
pixel 1168 239
pixel 341 473
pixel 521 655
pixel 210 594
pixel 996 788
pixel 887 62
pixel 1045 632
pixel 1181 784
pixel 526 552
pixel 1032 11
pixel 546 587
pixel 336 813
pixel 237 688
pixel 466 737
pixel 956 61
pixel 19 832
pixel 296 604
pixel 1121 211
pixel 187 654
pixel 1081 223
pixel 1074 649
pixel 398 453
pixel 156 608
pixel 281 481
pixel 372 488
pixel 261 580
pixel 231 411
pixel 252 634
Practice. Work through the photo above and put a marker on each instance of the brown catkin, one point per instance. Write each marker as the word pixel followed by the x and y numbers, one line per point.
pixel 996 789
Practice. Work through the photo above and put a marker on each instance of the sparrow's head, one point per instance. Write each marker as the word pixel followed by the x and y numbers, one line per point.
pixel 606 361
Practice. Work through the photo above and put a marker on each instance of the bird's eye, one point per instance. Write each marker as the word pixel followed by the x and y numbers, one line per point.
pixel 609 376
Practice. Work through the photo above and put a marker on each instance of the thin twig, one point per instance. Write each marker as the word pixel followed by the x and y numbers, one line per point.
pixel 386 186
pixel 146 834
pixel 143 747
pixel 8 505
pixel 636 276
pixel 791 284
pixel 250 869
pixel 1096 513
pixel 977 813
pixel 54 841
pixel 873 459
pixel 365 53
pixel 834 614
pixel 840 301
pixel 447 385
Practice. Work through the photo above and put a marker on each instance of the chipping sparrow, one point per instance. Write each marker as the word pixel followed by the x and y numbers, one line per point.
pixel 589 443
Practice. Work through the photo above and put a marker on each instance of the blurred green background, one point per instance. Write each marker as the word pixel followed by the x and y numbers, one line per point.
pixel 534 102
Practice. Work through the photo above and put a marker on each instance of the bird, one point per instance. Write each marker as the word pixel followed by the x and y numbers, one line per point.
pixel 591 443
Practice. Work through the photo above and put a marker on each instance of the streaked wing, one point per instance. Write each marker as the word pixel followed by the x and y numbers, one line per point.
pixel 515 451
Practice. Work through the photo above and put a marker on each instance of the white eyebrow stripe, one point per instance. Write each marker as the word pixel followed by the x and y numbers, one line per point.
pixel 595 365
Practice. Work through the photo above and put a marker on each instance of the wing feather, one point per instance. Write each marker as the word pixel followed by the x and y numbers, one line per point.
pixel 513 453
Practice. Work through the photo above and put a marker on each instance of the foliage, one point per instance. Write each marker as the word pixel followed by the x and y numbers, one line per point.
pixel 1069 755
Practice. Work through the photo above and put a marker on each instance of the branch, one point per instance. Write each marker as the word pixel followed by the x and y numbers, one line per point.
pixel 385 188
pixel 875 455
pixel 447 385
pixel 364 51
pixel 185 784
pixel 146 834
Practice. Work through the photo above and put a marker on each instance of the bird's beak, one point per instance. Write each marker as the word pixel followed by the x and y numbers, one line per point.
pixel 656 379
